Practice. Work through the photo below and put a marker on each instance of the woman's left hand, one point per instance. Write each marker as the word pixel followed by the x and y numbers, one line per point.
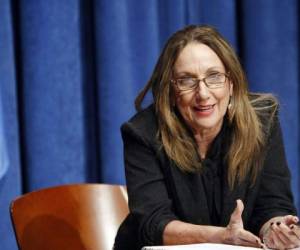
pixel 282 233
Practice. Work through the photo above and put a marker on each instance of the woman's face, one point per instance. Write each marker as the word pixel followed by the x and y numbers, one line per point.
pixel 202 108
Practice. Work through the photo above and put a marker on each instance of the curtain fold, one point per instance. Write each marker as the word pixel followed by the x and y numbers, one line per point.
pixel 11 170
pixel 271 59
pixel 51 92
pixel 70 71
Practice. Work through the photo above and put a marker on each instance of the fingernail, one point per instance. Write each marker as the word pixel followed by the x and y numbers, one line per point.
pixel 278 223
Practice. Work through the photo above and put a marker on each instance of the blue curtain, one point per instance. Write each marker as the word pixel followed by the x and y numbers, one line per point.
pixel 69 72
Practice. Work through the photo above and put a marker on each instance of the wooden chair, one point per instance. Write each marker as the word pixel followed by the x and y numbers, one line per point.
pixel 69 217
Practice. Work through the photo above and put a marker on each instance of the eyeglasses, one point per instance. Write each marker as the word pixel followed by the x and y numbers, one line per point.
pixel 212 81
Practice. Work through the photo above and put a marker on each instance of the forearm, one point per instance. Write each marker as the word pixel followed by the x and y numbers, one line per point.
pixel 178 232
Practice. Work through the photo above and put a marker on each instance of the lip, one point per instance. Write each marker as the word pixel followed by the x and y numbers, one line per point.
pixel 204 110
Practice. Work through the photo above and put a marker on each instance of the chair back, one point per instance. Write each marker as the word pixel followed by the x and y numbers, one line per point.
pixel 69 217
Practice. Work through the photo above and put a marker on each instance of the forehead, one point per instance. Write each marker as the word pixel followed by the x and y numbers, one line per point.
pixel 197 56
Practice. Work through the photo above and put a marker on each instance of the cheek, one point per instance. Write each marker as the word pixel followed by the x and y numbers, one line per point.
pixel 224 106
pixel 184 101
pixel 223 102
pixel 183 104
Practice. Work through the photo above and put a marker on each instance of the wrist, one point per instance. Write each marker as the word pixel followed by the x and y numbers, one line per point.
pixel 220 235
pixel 227 236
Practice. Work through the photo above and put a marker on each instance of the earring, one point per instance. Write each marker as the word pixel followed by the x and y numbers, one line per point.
pixel 230 103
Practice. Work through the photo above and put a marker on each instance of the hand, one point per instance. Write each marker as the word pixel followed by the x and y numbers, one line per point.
pixel 296 230
pixel 235 233
pixel 282 233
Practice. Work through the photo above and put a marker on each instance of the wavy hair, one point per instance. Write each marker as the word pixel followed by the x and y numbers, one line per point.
pixel 247 138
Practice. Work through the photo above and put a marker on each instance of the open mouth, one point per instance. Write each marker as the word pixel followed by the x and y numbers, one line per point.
pixel 204 108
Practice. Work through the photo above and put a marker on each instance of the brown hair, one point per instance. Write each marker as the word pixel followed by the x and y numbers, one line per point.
pixel 247 138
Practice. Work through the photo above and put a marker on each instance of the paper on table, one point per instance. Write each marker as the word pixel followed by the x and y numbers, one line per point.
pixel 202 246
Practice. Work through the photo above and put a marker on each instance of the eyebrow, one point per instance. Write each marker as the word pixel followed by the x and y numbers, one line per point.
pixel 187 73
pixel 184 73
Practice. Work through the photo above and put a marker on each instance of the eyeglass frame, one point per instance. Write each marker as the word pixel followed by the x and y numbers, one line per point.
pixel 174 81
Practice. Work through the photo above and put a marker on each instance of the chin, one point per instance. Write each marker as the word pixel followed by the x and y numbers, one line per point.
pixel 210 124
pixel 205 126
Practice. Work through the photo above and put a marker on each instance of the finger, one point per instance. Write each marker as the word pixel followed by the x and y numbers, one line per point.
pixel 240 205
pixel 296 230
pixel 278 232
pixel 263 246
pixel 245 243
pixel 290 219
pixel 277 243
pixel 268 240
pixel 284 236
pixel 287 234
pixel 246 238
pixel 267 237
pixel 236 216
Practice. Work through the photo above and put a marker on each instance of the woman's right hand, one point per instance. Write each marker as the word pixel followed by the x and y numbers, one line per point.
pixel 235 234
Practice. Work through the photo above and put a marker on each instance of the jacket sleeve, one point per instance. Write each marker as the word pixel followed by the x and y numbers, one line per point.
pixel 274 196
pixel 149 202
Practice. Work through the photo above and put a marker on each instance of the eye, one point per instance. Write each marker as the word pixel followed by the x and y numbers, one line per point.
pixel 215 76
pixel 186 82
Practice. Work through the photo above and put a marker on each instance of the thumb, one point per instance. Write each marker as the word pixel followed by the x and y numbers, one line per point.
pixel 290 219
pixel 236 216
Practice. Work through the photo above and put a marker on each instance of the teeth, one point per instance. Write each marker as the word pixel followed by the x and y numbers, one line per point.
pixel 205 108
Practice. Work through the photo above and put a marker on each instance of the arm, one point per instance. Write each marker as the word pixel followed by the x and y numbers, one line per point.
pixel 152 207
pixel 149 202
pixel 274 194
pixel 177 232
pixel 274 202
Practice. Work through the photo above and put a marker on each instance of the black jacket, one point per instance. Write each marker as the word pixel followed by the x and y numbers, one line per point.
pixel 160 192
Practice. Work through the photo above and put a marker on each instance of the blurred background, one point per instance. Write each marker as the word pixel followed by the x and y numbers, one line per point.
pixel 70 70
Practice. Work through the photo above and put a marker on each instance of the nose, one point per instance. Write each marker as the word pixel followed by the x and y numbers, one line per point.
pixel 202 91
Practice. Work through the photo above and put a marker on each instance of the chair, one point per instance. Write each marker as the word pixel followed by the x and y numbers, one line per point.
pixel 69 217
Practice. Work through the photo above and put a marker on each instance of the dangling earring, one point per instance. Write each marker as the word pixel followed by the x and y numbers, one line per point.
pixel 230 103
pixel 229 109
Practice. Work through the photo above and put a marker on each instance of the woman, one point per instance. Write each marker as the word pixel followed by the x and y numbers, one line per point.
pixel 205 162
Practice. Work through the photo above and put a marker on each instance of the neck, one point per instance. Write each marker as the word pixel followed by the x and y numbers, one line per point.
pixel 204 139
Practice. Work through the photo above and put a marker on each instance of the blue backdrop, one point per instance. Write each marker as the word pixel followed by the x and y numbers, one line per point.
pixel 69 72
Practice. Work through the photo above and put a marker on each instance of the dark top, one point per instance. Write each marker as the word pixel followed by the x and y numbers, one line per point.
pixel 212 174
pixel 160 192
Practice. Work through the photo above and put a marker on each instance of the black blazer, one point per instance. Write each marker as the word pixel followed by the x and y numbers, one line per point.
pixel 160 192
